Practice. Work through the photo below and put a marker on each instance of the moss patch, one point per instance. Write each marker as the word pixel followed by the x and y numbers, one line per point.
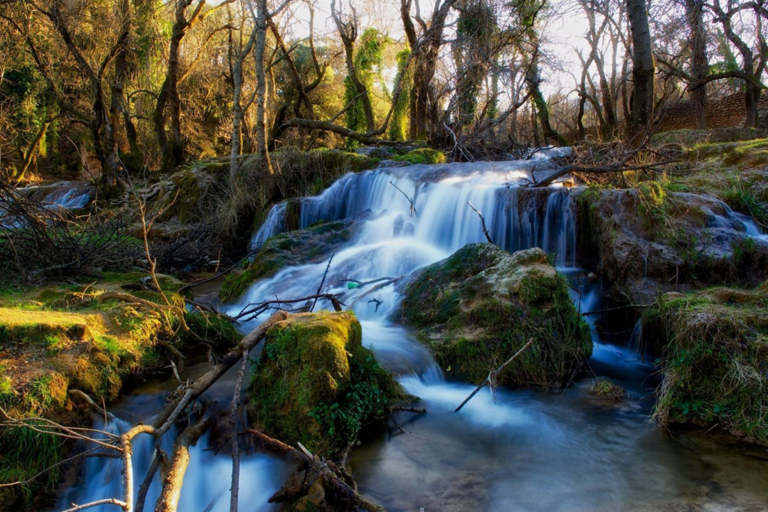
pixel 714 360
pixel 481 305
pixel 316 384
pixel 422 156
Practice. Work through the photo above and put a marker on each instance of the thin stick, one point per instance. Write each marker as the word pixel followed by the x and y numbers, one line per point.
pixel 320 288
pixel 497 370
pixel 482 221
pixel 413 206
pixel 234 489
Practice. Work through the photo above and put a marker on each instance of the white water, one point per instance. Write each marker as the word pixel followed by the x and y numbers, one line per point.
pixel 523 451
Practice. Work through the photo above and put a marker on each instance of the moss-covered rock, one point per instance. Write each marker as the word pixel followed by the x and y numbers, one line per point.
pixel 714 359
pixel 481 305
pixel 310 245
pixel 316 384
pixel 422 156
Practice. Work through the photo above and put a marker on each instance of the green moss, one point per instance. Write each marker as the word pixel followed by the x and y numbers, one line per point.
pixel 604 389
pixel 715 347
pixel 316 384
pixel 422 156
pixel 481 305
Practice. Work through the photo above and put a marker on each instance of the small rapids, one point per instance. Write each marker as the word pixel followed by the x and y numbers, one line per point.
pixel 513 450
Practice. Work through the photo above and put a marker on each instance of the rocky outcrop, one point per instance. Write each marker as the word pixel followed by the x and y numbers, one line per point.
pixel 316 384
pixel 310 245
pixel 647 241
pixel 478 307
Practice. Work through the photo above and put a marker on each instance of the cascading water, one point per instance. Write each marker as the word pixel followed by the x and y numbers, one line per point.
pixel 519 450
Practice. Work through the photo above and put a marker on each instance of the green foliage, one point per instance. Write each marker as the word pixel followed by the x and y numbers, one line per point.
pixel 744 200
pixel 367 60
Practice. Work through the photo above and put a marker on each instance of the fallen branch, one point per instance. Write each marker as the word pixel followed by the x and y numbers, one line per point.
pixel 261 307
pixel 315 465
pixel 108 501
pixel 234 488
pixel 158 459
pixel 494 372
pixel 93 405
pixel 482 221
pixel 620 308
pixel 616 168
pixel 174 477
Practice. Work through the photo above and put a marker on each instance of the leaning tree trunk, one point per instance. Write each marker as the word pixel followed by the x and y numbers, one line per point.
pixel 642 72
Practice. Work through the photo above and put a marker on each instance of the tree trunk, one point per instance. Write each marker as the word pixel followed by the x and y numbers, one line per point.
pixel 173 149
pixel 642 72
pixel 262 150
pixel 699 65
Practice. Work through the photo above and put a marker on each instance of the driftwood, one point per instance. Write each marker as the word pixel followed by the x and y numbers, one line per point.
pixel 312 464
pixel 410 200
pixel 489 379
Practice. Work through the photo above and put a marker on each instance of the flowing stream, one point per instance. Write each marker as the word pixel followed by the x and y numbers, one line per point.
pixel 526 450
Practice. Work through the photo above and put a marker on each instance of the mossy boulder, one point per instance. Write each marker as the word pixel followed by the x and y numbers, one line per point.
pixel 714 359
pixel 300 247
pixel 316 384
pixel 478 307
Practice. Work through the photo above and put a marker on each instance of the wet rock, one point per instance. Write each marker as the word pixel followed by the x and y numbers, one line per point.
pixel 311 245
pixel 478 307
pixel 316 384
pixel 648 241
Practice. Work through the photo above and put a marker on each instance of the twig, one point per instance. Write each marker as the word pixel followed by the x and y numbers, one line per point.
pixel 482 221
pixel 413 206
pixel 157 460
pixel 490 375
pixel 320 288
pixel 108 501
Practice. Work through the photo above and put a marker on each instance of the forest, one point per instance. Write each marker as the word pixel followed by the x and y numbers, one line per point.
pixel 383 255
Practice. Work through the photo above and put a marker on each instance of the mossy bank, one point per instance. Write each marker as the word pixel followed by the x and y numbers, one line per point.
pixel 714 359
pixel 63 338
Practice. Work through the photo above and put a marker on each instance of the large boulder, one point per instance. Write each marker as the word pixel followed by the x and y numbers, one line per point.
pixel 478 307
pixel 646 241
pixel 316 384
pixel 714 359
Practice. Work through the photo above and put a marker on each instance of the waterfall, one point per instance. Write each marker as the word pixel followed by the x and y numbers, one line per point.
pixel 517 217
pixel 68 195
